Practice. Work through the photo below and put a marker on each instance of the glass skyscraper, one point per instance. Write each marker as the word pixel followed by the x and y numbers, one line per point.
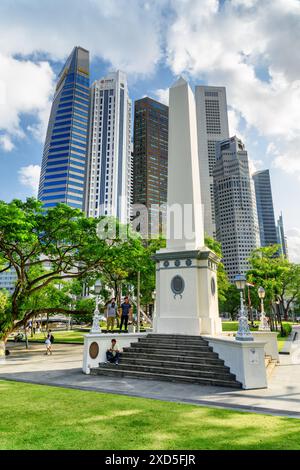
pixel 150 159
pixel 108 184
pixel 65 151
pixel 265 209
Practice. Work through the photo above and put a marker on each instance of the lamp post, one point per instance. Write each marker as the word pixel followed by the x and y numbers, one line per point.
pixel 243 333
pixel 263 325
pixel 96 318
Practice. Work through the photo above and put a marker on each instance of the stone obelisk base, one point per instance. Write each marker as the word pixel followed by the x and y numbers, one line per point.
pixel 186 292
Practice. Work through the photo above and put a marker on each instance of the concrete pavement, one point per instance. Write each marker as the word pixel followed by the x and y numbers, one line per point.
pixel 63 369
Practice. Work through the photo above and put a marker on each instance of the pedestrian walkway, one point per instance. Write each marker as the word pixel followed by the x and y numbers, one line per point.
pixel 63 369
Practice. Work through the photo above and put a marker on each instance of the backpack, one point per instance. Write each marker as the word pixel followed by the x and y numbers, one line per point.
pixel 52 339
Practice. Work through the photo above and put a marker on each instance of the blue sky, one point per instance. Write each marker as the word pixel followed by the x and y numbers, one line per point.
pixel 248 46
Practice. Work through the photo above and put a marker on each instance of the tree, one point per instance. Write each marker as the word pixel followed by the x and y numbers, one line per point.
pixel 3 301
pixel 279 278
pixel 224 286
pixel 46 248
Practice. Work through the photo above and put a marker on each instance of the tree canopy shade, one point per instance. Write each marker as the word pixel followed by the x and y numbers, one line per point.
pixel 279 277
pixel 46 248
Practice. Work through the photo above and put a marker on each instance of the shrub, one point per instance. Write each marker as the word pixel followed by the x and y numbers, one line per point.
pixel 287 328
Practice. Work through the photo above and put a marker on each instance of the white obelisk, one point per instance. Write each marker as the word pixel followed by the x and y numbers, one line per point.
pixel 186 278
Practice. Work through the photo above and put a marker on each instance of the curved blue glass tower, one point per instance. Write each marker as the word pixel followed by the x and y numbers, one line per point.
pixel 65 151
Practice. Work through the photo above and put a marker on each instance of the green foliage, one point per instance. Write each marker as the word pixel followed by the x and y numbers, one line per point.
pixel 287 329
pixel 224 286
pixel 146 266
pixel 48 248
pixel 85 305
pixel 3 301
pixel 279 277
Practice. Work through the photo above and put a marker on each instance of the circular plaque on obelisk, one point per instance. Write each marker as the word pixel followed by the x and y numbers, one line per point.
pixel 94 350
pixel 177 285
pixel 213 286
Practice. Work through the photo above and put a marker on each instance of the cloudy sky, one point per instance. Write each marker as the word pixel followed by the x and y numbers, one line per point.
pixel 250 46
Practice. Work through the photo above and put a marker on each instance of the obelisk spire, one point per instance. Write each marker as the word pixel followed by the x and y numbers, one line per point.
pixel 183 172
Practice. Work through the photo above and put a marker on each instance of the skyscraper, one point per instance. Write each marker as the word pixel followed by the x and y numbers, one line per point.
pixel 65 151
pixel 281 238
pixel 236 215
pixel 8 280
pixel 108 184
pixel 212 127
pixel 150 159
pixel 265 209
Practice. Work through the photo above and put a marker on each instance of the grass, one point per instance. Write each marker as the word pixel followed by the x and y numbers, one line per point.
pixel 72 336
pixel 64 336
pixel 43 417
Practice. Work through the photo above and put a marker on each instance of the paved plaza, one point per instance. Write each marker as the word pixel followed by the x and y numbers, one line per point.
pixel 63 369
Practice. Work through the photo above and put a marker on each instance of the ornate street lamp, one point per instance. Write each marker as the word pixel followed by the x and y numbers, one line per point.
pixel 264 325
pixel 243 333
pixel 96 318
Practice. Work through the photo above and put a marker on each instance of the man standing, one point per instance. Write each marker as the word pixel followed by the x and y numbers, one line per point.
pixel 126 310
pixel 111 315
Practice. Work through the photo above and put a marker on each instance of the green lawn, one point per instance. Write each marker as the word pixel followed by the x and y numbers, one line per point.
pixel 42 417
pixel 72 336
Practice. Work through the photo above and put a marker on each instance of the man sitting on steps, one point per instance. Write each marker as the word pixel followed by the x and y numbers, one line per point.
pixel 113 354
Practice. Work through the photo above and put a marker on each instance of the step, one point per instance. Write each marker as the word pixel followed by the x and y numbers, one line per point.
pixel 183 339
pixel 146 361
pixel 176 342
pixel 171 346
pixel 131 355
pixel 164 351
pixel 165 335
pixel 224 375
pixel 116 372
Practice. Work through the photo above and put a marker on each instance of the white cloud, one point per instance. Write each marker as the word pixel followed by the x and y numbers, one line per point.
pixel 249 47
pixel 293 239
pixel 26 89
pixel 6 143
pixel 125 33
pixel 29 176
pixel 162 95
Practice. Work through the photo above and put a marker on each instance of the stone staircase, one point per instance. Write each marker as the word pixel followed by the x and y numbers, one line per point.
pixel 173 358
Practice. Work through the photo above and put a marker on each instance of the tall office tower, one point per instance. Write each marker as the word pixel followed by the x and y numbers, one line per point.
pixel 281 238
pixel 212 127
pixel 150 160
pixel 108 185
pixel 236 216
pixel 65 151
pixel 8 280
pixel 265 209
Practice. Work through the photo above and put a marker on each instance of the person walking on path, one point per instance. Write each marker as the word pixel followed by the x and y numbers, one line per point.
pixel 126 310
pixel 49 341
pixel 48 345
pixel 111 313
